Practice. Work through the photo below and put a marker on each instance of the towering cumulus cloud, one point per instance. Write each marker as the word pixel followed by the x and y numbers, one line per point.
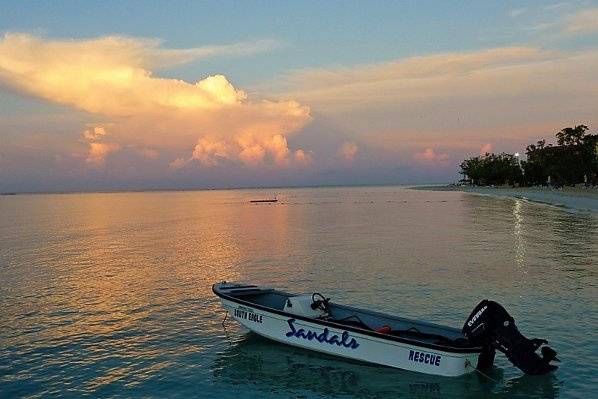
pixel 208 122
pixel 98 148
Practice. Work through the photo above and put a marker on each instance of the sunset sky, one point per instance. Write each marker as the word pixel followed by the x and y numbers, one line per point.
pixel 149 95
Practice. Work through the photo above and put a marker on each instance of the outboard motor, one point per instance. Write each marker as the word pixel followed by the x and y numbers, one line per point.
pixel 490 326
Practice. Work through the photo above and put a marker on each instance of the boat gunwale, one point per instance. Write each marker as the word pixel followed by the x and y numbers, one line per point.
pixel 386 337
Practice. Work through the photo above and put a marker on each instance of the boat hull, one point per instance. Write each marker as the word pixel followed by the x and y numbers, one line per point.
pixel 351 344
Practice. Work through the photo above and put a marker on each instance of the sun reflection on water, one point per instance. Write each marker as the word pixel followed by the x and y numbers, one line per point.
pixel 518 232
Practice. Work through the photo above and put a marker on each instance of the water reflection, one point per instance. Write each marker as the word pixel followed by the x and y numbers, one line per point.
pixel 576 238
pixel 110 293
pixel 532 244
pixel 288 371
pixel 520 244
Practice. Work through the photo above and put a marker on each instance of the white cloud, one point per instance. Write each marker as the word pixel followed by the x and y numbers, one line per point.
pixel 454 101
pixel 514 13
pixel 411 79
pixel 516 73
pixel 558 6
pixel 210 119
pixel 543 26
pixel 583 22
pixel 160 58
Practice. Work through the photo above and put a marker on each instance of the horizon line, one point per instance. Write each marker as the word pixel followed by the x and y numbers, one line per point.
pixel 150 190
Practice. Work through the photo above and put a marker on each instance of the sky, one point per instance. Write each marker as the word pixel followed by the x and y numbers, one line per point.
pixel 114 95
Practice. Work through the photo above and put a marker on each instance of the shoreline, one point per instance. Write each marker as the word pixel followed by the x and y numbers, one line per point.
pixel 573 198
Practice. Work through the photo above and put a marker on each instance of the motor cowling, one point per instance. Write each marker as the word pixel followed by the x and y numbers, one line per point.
pixel 489 325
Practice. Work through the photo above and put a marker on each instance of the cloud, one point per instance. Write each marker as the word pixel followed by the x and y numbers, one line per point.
pixel 254 147
pixel 161 58
pixel 514 13
pixel 348 151
pixel 430 156
pixel 544 26
pixel 178 163
pixel 429 110
pixel 150 153
pixel 416 79
pixel 459 101
pixel 94 133
pixel 420 67
pixel 303 158
pixel 562 20
pixel 209 152
pixel 583 21
pixel 557 6
pixel 98 149
pixel 249 148
pixel 106 76
pixel 486 149
pixel 112 77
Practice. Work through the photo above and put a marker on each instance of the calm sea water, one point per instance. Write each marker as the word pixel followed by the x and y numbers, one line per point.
pixel 109 294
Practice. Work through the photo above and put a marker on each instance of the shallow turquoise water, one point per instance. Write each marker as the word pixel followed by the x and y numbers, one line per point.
pixel 109 294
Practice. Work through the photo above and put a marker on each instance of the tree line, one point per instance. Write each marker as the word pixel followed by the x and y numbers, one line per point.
pixel 573 160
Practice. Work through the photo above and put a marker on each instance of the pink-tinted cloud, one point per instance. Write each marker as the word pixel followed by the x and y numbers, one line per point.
pixel 208 120
pixel 456 101
pixel 486 149
pixel 210 152
pixel 150 153
pixel 303 158
pixel 428 110
pixel 430 156
pixel 348 151
pixel 178 163
pixel 99 148
pixel 583 21
pixel 404 79
pixel 99 151
pixel 94 133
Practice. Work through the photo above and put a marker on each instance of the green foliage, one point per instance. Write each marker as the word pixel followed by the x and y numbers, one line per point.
pixel 572 136
pixel 575 156
pixel 567 163
pixel 492 169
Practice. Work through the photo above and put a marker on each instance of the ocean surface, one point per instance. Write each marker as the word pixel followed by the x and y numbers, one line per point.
pixel 110 294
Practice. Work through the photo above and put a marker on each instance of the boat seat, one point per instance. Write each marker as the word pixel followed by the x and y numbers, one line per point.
pixel 411 333
pixel 353 322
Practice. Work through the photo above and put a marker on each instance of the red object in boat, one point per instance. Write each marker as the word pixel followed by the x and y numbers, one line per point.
pixel 384 329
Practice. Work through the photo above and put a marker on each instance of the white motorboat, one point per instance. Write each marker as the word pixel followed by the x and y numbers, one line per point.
pixel 314 322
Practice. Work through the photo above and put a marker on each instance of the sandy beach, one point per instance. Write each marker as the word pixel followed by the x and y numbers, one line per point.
pixel 574 198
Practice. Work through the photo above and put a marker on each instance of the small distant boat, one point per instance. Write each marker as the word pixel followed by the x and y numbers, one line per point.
pixel 264 200
pixel 314 322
